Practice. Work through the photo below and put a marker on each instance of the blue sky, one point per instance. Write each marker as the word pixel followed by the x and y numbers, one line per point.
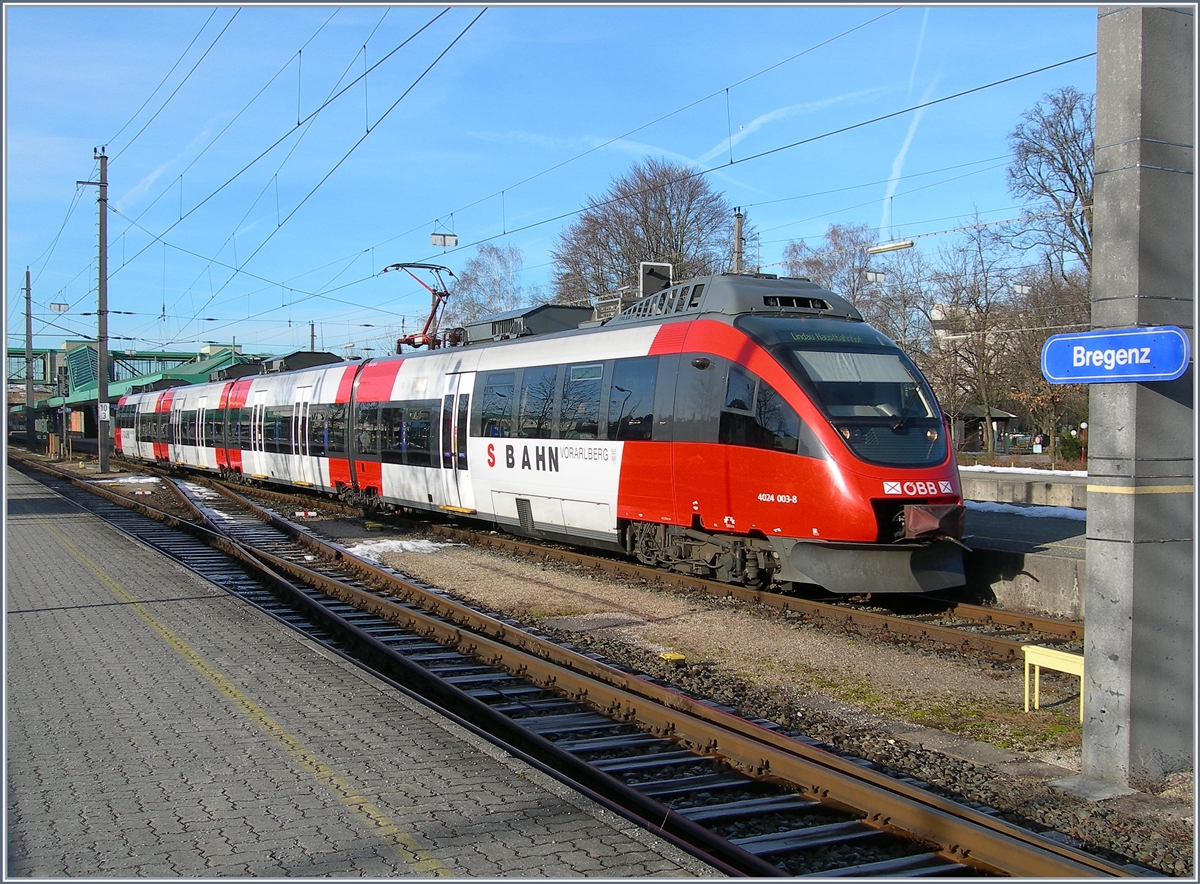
pixel 219 236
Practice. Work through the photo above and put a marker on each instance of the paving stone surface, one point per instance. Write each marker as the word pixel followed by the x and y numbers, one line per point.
pixel 158 727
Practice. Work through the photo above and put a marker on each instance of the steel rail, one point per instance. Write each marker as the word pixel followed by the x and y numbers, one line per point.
pixel 962 834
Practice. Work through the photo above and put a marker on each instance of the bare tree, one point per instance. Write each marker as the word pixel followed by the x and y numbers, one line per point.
pixel 489 283
pixel 900 306
pixel 838 262
pixel 1047 302
pixel 659 211
pixel 970 352
pixel 892 295
pixel 1053 169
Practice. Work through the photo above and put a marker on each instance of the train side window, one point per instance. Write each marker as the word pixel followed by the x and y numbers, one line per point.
pixel 214 428
pixel 464 411
pixel 244 416
pixel 419 421
pixel 771 422
pixel 366 428
pixel 739 392
pixel 391 434
pixel 698 398
pixel 277 429
pixel 318 430
pixel 537 402
pixel 187 428
pixel 631 398
pixel 579 410
pixel 406 433
pixel 336 441
pixel 447 427
pixel 777 422
pixel 497 410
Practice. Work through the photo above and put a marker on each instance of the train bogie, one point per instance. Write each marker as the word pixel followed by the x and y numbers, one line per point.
pixel 758 431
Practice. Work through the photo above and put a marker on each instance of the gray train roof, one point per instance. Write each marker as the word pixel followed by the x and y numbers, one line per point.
pixel 737 295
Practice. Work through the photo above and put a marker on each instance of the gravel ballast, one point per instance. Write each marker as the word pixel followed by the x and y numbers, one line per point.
pixel 918 712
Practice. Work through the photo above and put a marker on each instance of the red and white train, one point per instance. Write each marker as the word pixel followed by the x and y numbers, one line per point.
pixel 742 427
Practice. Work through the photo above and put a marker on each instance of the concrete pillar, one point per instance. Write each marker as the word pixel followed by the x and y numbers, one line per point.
pixel 1140 644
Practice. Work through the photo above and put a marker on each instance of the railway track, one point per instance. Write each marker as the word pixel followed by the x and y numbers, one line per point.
pixel 748 799
pixel 990 632
pixel 975 629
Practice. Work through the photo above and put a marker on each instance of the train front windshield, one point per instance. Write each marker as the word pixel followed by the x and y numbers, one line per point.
pixel 879 404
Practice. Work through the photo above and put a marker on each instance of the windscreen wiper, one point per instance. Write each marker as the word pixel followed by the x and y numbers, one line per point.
pixel 899 425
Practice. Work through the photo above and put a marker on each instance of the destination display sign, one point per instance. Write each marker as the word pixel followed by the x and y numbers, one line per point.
pixel 1134 355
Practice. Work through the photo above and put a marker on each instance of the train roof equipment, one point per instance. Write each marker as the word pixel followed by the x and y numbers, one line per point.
pixel 739 294
pixel 428 335
pixel 542 319
pixel 299 359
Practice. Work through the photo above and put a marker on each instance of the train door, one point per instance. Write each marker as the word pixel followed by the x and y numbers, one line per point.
pixel 254 463
pixel 457 493
pixel 201 414
pixel 305 471
pixel 175 436
pixel 257 409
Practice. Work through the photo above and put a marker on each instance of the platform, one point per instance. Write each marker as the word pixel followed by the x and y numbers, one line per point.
pixel 159 727
pixel 1026 562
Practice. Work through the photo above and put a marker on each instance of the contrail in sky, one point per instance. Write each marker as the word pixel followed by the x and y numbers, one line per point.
pixel 917 57
pixel 898 163
pixel 779 114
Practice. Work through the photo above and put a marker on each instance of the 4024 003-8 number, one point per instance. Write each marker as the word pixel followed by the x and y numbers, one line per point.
pixel 768 497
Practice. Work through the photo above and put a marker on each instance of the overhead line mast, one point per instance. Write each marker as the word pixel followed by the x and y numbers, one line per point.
pixel 102 314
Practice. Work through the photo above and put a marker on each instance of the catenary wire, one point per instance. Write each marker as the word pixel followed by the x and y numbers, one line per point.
pixel 187 77
pixel 653 122
pixel 178 61
pixel 235 118
pixel 805 141
pixel 293 149
pixel 353 147
pixel 287 135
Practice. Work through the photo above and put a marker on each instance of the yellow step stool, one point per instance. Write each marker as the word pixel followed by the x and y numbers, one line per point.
pixel 1060 661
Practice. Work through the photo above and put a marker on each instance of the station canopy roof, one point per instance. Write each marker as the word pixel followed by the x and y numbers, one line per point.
pixel 196 372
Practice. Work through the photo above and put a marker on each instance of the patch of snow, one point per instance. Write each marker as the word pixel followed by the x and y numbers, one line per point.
pixel 371 550
pixel 128 480
pixel 1032 511
pixel 1024 471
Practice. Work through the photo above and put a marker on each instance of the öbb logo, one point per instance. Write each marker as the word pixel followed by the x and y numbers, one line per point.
pixel 913 489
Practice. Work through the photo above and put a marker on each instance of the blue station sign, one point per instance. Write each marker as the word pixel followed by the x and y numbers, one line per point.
pixel 1115 356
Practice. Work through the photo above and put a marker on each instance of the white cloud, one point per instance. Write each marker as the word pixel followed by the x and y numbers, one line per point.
pixel 782 113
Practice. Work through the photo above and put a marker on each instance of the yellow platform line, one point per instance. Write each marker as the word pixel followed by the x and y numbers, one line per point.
pixel 404 844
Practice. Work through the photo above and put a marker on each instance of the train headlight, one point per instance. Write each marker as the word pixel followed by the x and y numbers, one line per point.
pixel 931 435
